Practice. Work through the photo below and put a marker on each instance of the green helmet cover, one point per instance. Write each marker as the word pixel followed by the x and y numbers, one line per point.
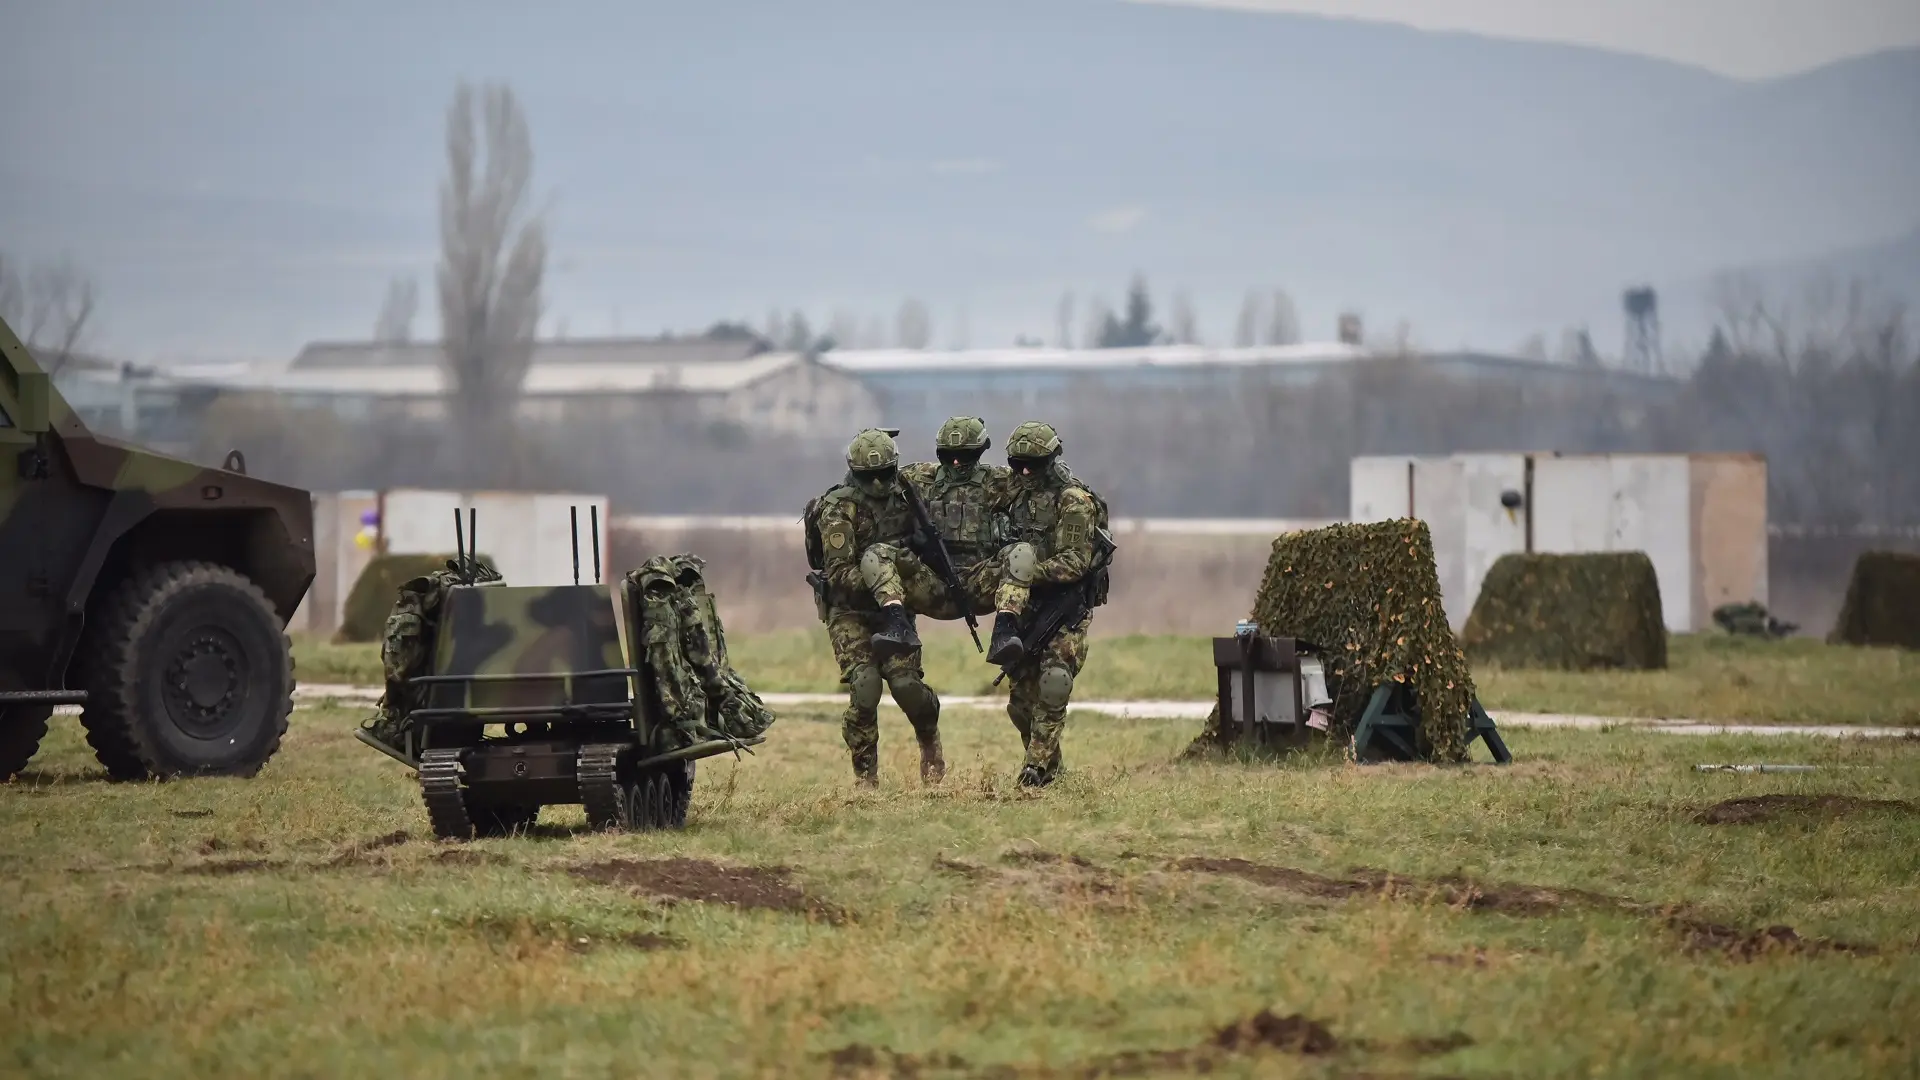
pixel 967 433
pixel 1033 439
pixel 872 451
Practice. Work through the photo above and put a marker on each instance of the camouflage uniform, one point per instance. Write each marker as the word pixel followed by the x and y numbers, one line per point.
pixel 965 499
pixel 685 647
pixel 407 644
pixel 864 606
pixel 1052 517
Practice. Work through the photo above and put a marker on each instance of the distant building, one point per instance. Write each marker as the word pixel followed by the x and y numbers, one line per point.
pixel 919 389
pixel 584 380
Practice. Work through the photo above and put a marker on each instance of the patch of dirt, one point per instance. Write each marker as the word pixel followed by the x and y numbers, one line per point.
pixel 469 857
pixel 968 870
pixel 762 888
pixel 1258 1034
pixel 1045 858
pixel 1455 891
pixel 1294 1034
pixel 1705 938
pixel 223 867
pixel 214 844
pixel 1755 809
pixel 1279 877
pixel 358 852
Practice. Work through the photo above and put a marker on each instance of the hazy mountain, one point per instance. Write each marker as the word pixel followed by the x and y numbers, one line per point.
pixel 244 177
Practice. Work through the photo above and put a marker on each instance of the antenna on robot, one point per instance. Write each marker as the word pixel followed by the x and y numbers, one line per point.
pixel 573 523
pixel 594 513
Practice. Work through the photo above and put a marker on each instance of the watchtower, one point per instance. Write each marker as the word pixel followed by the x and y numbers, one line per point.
pixel 1643 331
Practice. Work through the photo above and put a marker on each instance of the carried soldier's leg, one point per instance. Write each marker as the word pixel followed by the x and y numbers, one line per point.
pixel 1015 565
pixel 1038 703
pixel 851 633
pixel 881 574
pixel 402 653
pixel 906 681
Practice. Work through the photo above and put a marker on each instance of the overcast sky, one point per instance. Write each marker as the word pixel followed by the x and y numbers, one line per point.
pixel 1743 38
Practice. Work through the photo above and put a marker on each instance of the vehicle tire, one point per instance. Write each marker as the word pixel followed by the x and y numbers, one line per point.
pixel 678 779
pixel 21 729
pixel 188 672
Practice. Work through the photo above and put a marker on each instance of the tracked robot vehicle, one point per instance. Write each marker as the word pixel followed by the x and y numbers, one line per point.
pixel 533 699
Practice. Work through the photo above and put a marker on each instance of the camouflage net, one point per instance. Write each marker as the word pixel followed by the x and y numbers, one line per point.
pixel 371 598
pixel 1570 613
pixel 1370 596
pixel 1883 602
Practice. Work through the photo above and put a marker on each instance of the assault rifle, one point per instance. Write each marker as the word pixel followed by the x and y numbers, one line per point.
pixel 1062 607
pixel 932 549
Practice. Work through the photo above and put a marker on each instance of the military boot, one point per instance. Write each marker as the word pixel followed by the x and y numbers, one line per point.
pixel 897 635
pixel 1033 776
pixel 1006 647
pixel 933 763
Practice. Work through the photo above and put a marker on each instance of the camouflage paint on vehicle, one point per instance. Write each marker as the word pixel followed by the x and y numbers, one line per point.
pixel 80 511
pixel 513 630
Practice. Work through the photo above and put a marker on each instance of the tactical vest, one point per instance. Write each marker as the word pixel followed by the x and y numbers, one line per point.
pixel 959 507
pixel 1033 514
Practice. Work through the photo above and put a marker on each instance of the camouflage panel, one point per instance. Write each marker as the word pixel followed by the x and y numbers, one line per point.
pixel 526 630
pixel 1370 595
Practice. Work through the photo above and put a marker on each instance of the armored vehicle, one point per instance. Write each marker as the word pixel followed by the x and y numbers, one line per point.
pixel 532 700
pixel 153 592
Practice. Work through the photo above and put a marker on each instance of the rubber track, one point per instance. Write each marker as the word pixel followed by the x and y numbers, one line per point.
pixel 440 788
pixel 601 791
pixel 110 715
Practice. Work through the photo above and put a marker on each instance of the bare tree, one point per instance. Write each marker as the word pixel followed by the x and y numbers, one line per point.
pixel 844 329
pixel 913 326
pixel 1063 320
pixel 49 306
pixel 493 257
pixel 395 324
pixel 1246 332
pixel 1184 328
pixel 1283 322
pixel 1534 347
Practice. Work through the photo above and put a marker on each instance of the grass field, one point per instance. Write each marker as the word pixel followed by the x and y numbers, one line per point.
pixel 1710 677
pixel 1587 911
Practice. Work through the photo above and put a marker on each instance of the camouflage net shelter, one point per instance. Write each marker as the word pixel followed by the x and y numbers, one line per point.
pixel 1883 602
pixel 371 598
pixel 1569 612
pixel 1370 596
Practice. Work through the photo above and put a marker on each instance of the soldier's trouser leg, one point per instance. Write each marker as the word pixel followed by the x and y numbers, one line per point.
pixel 1016 564
pixel 850 632
pixel 1038 703
pixel 907 683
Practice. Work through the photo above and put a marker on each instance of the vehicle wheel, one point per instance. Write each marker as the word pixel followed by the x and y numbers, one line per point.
pixel 21 729
pixel 677 779
pixel 188 672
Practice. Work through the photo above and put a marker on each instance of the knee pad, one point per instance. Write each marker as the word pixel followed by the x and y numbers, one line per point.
pixel 909 688
pixel 864 684
pixel 1021 560
pixel 874 563
pixel 1055 686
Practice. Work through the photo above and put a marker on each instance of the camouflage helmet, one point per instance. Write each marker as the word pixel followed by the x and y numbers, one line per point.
pixel 873 451
pixel 966 434
pixel 1033 440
